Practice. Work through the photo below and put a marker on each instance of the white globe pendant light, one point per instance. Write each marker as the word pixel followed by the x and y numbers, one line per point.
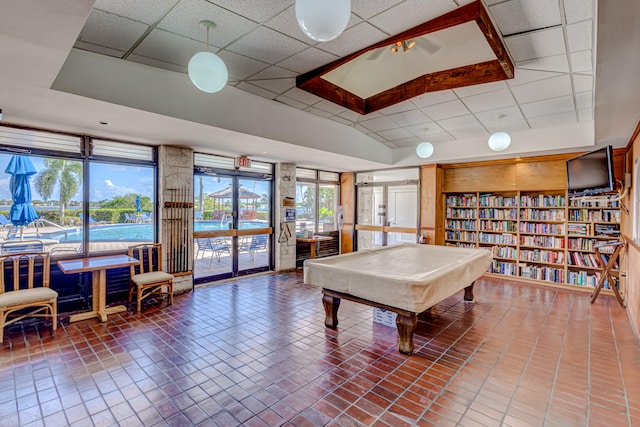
pixel 323 20
pixel 499 141
pixel 206 70
pixel 424 150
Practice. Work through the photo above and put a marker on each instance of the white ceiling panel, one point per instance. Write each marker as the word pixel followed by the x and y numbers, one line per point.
pixel 291 102
pixel 307 60
pixel 523 76
pixel 552 120
pixel 407 142
pixel 518 16
pixel 103 50
pixel 581 62
pixel 184 19
pixel 474 132
pixel 274 85
pixel 425 130
pixel 580 36
pixel 506 119
pixel 584 100
pixel 286 23
pixel 481 88
pixel 274 72
pixel 266 10
pixel 441 137
pixel 112 31
pixel 267 45
pixel 330 107
pixel 409 118
pixel 303 96
pixel 446 110
pixel 396 19
pixel 318 112
pixel 400 107
pixel 146 11
pixel 379 124
pixel 561 104
pixel 240 67
pixel 168 47
pixel 368 8
pixel 158 64
pixel 355 38
pixel 248 87
pixel 582 83
pixel 578 10
pixel 557 63
pixel 489 101
pixel 467 121
pixel 432 98
pixel 585 115
pixel 543 89
pixel 536 44
pixel 394 134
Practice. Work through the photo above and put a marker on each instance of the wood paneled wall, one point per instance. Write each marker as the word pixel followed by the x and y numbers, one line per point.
pixel 348 203
pixel 431 217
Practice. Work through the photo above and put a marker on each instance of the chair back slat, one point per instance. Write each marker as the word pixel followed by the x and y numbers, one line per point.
pixel 30 261
pixel 149 255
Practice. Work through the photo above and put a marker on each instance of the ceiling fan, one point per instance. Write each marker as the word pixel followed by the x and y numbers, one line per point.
pixel 421 43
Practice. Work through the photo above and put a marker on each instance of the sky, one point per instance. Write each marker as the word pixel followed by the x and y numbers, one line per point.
pixel 107 180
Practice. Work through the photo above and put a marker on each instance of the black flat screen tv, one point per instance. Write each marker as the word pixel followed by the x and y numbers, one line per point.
pixel 591 173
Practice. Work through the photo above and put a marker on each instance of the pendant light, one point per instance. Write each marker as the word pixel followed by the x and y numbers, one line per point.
pixel 323 20
pixel 424 150
pixel 206 70
pixel 499 141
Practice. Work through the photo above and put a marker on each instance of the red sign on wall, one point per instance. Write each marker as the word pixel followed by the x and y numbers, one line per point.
pixel 244 162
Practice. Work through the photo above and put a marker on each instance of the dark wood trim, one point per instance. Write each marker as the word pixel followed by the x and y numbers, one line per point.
pixel 499 69
pixel 635 134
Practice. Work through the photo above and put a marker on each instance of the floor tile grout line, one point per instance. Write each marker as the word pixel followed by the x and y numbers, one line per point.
pixel 617 348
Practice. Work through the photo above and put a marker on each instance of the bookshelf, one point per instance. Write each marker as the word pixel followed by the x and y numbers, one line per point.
pixel 543 236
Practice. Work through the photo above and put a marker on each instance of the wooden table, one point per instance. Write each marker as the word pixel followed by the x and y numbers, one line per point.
pixel 313 241
pixel 98 267
pixel 610 273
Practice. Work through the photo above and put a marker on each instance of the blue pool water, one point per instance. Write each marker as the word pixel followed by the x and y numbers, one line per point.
pixel 131 232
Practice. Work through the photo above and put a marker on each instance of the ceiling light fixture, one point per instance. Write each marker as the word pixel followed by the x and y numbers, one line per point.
pixel 424 150
pixel 499 141
pixel 323 20
pixel 404 44
pixel 206 70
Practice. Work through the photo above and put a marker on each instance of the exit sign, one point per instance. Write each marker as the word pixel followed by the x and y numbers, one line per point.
pixel 244 162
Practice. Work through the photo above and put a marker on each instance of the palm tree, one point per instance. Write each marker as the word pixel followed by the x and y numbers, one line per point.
pixel 67 174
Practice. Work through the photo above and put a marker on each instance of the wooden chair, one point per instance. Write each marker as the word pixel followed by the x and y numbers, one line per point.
pixel 20 296
pixel 147 277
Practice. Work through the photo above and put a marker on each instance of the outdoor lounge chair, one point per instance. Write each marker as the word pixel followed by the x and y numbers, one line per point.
pixel 217 246
pixel 24 289
pixel 258 242
pixel 4 222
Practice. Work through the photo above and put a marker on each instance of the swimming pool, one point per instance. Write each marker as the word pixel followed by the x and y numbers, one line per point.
pixel 132 232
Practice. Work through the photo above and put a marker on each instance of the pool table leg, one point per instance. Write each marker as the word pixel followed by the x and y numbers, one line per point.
pixel 331 306
pixel 468 292
pixel 406 327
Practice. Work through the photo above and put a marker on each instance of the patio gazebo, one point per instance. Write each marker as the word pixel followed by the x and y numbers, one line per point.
pixel 222 199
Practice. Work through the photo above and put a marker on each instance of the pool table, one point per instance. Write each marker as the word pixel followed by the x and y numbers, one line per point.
pixel 406 279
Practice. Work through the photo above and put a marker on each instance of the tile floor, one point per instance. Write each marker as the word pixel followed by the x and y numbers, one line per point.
pixel 254 352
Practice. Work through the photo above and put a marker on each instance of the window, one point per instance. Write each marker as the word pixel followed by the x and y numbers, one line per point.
pixel 87 195
pixel 317 199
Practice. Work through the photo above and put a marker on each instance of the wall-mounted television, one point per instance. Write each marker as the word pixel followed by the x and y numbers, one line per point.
pixel 591 173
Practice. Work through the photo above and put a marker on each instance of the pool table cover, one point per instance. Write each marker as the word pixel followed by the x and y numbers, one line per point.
pixel 408 276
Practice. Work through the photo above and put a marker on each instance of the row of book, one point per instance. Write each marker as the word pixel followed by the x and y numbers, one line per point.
pixel 466 236
pixel 578 229
pixel 549 257
pixel 594 216
pixel 550 274
pixel 460 224
pixel 582 259
pixel 460 245
pixel 541 228
pixel 468 200
pixel 498 239
pixel 504 252
pixel 543 241
pixel 460 213
pixel 542 200
pixel 507 268
pixel 542 215
pixel 497 226
pixel 581 244
pixel 583 278
pixel 594 203
pixel 497 213
pixel 492 200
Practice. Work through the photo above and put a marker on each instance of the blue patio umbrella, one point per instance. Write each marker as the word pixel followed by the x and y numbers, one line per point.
pixel 21 169
pixel 138 204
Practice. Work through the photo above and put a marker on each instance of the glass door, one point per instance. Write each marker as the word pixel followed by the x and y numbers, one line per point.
pixel 232 226
pixel 387 214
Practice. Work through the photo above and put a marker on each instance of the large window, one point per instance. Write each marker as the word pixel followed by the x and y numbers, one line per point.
pixel 317 199
pixel 74 195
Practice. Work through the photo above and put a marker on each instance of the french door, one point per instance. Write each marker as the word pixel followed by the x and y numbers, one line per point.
pixel 387 214
pixel 232 226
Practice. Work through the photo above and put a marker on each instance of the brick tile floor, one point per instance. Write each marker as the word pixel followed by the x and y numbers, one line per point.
pixel 254 352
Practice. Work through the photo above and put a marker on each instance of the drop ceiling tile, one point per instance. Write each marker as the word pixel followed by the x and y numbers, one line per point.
pixel 381 139
pixel 274 72
pixel 582 83
pixel 560 119
pixel 103 50
pixel 184 19
pixel 146 11
pixel 489 101
pixel 330 107
pixel 578 10
pixel 318 112
pixel 350 115
pixel 168 47
pixel 446 110
pixel 409 118
pixel 537 44
pixel 286 23
pixel 394 134
pixel 432 98
pixel 523 76
pixel 353 39
pixel 158 64
pixel 307 60
pixel 558 105
pixel 274 85
pixel 407 142
pixel 367 8
pixel 390 144
pixel 262 13
pixel 378 124
pixel 469 133
pixel 544 89
pixel 581 62
pixel 463 122
pixel 584 100
pixel 557 63
pixel 290 102
pixel 478 89
pixel 580 36
pixel 247 87
pixel 506 119
pixel 302 96
pixel 425 130
pixel 585 115
pixel 400 107
pixel 441 137
pixel 396 19
pixel 341 120
pixel 112 31
pixel 267 45
pixel 517 16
